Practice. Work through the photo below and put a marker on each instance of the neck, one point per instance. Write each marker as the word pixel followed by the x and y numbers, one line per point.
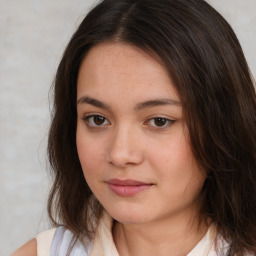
pixel 154 238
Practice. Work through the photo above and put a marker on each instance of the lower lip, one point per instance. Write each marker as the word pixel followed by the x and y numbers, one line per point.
pixel 125 190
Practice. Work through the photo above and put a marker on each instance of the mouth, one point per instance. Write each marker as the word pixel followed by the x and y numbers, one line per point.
pixel 126 188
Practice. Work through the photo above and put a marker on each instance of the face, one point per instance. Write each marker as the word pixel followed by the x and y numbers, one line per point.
pixel 132 140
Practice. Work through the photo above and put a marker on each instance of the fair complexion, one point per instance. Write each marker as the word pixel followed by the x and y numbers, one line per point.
pixel 28 249
pixel 133 146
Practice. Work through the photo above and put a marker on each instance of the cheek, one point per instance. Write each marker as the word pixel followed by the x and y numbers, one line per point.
pixel 169 154
pixel 176 167
pixel 90 153
pixel 91 157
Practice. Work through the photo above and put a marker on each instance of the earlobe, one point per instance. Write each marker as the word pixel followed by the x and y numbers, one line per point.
pixel 28 249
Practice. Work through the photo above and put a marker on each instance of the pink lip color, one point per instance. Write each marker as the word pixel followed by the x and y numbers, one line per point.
pixel 127 187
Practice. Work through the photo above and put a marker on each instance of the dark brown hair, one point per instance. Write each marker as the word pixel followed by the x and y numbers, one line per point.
pixel 204 58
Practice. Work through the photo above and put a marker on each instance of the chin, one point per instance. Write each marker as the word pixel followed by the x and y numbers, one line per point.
pixel 129 216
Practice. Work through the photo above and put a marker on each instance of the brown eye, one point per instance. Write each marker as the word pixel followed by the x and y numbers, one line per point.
pixel 96 121
pixel 99 120
pixel 160 122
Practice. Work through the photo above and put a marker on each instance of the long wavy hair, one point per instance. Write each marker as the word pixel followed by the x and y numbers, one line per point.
pixel 203 57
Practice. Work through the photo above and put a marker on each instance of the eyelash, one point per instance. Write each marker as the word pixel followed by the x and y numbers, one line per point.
pixel 167 122
pixel 91 118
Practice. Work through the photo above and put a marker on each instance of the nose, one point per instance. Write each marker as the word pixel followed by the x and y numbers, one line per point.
pixel 125 148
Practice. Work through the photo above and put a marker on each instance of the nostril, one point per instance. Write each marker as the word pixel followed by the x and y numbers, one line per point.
pixel 124 157
pixel 123 147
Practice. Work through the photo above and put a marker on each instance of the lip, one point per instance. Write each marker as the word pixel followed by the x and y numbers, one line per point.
pixel 127 187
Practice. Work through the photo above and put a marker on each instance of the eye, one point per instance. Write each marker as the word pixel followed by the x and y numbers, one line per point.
pixel 96 121
pixel 160 122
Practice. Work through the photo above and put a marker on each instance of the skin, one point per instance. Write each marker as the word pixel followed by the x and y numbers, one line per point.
pixel 121 91
pixel 28 249
pixel 129 90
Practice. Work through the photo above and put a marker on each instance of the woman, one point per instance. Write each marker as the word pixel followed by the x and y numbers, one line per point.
pixel 152 141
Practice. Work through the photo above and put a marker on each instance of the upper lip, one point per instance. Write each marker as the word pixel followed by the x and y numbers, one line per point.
pixel 127 182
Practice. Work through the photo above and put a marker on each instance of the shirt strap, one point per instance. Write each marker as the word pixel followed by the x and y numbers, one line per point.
pixel 44 241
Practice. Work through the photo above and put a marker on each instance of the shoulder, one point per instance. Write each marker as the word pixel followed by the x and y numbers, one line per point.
pixel 28 249
pixel 37 246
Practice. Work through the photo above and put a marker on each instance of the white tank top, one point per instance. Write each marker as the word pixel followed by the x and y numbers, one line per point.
pixel 44 241
pixel 56 242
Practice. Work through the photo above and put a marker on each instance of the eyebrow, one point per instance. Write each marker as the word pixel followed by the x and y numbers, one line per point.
pixel 138 107
pixel 155 103
pixel 93 102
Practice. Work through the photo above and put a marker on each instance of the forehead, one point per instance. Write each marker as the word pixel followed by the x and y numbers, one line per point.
pixel 123 69
pixel 116 51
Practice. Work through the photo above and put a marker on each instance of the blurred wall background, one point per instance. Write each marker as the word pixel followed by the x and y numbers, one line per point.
pixel 33 35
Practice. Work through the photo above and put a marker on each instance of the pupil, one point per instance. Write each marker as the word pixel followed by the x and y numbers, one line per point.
pixel 99 120
pixel 160 121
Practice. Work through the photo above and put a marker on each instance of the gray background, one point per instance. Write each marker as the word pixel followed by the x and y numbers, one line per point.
pixel 33 34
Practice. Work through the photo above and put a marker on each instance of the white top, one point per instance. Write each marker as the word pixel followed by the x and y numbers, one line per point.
pixel 44 241
pixel 55 242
